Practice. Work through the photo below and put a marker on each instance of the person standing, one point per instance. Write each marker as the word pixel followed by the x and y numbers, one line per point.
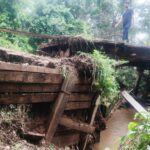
pixel 126 20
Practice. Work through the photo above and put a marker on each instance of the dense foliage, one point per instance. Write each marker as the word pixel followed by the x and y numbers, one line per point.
pixel 127 76
pixel 105 78
pixel 53 17
pixel 88 18
pixel 138 137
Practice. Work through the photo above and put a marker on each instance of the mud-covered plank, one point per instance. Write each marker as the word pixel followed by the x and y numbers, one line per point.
pixel 77 97
pixel 58 109
pixel 78 105
pixel 76 125
pixel 34 77
pixel 27 98
pixel 27 77
pixel 43 97
pixel 6 87
pixel 26 68
pixel 28 88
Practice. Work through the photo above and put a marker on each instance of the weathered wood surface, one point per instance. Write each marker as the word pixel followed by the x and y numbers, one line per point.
pixel 21 84
pixel 129 52
pixel 27 68
pixel 133 102
pixel 25 77
pixel 123 51
pixel 76 125
pixel 58 109
pixel 6 87
pixel 97 103
pixel 78 105
pixel 29 77
pixel 44 97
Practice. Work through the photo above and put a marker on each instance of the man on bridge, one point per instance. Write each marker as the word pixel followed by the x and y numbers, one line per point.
pixel 126 20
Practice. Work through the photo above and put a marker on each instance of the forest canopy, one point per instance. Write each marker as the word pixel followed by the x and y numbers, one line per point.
pixel 86 18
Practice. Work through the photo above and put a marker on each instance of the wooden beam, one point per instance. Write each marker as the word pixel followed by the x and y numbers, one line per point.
pixel 76 125
pixel 58 109
pixel 133 102
pixel 27 68
pixel 27 77
pixel 28 88
pixel 79 100
pixel 36 77
pixel 97 103
pixel 78 105
pixel 27 98
pixel 41 88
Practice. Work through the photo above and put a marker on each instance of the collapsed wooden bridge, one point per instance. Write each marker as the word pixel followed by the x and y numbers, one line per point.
pixel 63 124
pixel 66 108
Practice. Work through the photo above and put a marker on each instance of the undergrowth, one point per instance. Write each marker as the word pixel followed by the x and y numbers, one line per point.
pixel 104 75
pixel 16 42
pixel 127 76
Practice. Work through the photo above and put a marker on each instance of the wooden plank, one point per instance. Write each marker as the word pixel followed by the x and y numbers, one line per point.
pixel 76 125
pixel 58 109
pixel 97 103
pixel 45 97
pixel 27 68
pixel 27 98
pixel 41 88
pixel 34 134
pixel 133 102
pixel 78 105
pixel 33 77
pixel 28 88
pixel 27 77
pixel 66 140
pixel 77 97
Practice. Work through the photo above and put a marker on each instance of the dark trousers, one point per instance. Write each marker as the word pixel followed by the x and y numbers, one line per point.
pixel 126 32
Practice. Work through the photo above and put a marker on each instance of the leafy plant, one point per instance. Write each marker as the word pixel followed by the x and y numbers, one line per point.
pixel 138 137
pixel 105 78
pixel 127 76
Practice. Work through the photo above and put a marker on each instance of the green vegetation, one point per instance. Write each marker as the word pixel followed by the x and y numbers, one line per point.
pixel 127 76
pixel 138 137
pixel 87 18
pixel 53 18
pixel 105 78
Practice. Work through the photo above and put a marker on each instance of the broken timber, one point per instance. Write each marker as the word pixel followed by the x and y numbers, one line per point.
pixel 133 102
pixel 28 84
pixel 137 54
pixel 79 126
pixel 92 119
pixel 58 109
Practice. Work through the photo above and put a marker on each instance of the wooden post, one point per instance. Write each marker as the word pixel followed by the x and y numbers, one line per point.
pixel 58 109
pixel 97 103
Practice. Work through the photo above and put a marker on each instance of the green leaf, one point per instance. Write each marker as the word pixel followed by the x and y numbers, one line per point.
pixel 132 126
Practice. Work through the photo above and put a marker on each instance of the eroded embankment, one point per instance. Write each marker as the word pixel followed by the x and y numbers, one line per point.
pixel 22 121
